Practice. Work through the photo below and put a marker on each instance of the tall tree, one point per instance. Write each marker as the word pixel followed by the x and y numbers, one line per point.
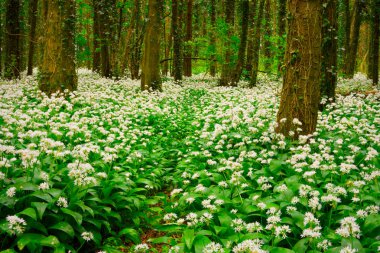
pixel 256 45
pixel 12 62
pixel 213 38
pixel 329 48
pixel 251 29
pixel 267 36
pixel 350 60
pixel 96 37
pixel 135 41
pixel 373 64
pixel 1 36
pixel 57 70
pixel 150 76
pixel 244 4
pixel 300 92
pixel 33 4
pixel 189 35
pixel 281 24
pixel 177 39
pixel 227 67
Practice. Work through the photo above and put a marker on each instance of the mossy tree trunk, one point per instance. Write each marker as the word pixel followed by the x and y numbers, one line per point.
pixel 281 24
pixel 228 65
pixel 213 38
pixel 267 36
pixel 189 35
pixel 150 76
pixel 329 49
pixel 301 86
pixel 177 39
pixel 57 69
pixel 373 64
pixel 33 4
pixel 12 61
pixel 96 37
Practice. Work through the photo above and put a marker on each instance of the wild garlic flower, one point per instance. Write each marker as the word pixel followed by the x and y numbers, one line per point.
pixel 143 247
pixel 87 236
pixel 348 227
pixel 62 202
pixel 213 247
pixel 11 192
pixel 249 246
pixel 16 225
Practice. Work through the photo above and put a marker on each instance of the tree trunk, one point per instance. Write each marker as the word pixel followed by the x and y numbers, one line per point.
pixel 373 64
pixel 347 28
pixel 136 42
pixel 301 93
pixel 12 63
pixel 167 35
pixel 350 61
pixel 1 36
pixel 96 38
pixel 281 22
pixel 187 68
pixel 57 72
pixel 267 36
pixel 256 45
pixel 150 76
pixel 243 43
pixel 32 33
pixel 105 25
pixel 329 49
pixel 251 29
pixel 227 67
pixel 177 40
pixel 213 39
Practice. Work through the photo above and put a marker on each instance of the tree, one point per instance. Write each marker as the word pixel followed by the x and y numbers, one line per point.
pixel 227 67
pixel 57 70
pixel 213 39
pixel 373 64
pixel 189 35
pixel 281 22
pixel 150 76
pixel 243 43
pixel 96 37
pixel 350 60
pixel 12 63
pixel 300 92
pixel 32 33
pixel 329 49
pixel 267 36
pixel 256 45
pixel 177 39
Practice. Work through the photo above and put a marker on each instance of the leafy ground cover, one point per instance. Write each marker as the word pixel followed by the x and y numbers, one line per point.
pixel 196 168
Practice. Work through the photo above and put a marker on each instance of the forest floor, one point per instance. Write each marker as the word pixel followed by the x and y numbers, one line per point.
pixel 196 168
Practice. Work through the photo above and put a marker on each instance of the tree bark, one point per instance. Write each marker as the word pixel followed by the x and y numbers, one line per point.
pixel 57 71
pixel 213 39
pixel 350 61
pixel 243 43
pixel 136 42
pixel 267 36
pixel 150 76
pixel 177 40
pixel 281 23
pixel 96 38
pixel 12 63
pixel 1 36
pixel 256 45
pixel 301 93
pixel 329 49
pixel 251 29
pixel 227 66
pixel 187 68
pixel 373 64
pixel 32 33
pixel 347 28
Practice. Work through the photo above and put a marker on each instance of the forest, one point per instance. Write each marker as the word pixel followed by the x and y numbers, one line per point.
pixel 175 126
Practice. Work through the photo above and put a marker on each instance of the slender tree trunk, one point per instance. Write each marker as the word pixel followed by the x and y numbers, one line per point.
pixel 1 36
pixel 243 43
pixel 150 76
pixel 57 72
pixel 96 38
pixel 251 29
pixel 12 61
pixel 281 22
pixel 301 93
pixel 256 45
pixel 350 61
pixel 177 40
pixel 375 51
pixel 347 28
pixel 136 42
pixel 187 68
pixel 105 25
pixel 167 35
pixel 32 33
pixel 227 67
pixel 329 49
pixel 213 39
pixel 267 36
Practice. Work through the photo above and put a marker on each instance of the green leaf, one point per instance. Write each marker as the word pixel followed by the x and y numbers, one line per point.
pixel 371 224
pixel 26 239
pixel 131 234
pixel 76 216
pixel 50 241
pixel 64 227
pixel 200 242
pixel 8 251
pixel 224 219
pixel 275 166
pixel 301 246
pixel 163 239
pixel 281 250
pixel 40 208
pixel 30 212
pixel 188 238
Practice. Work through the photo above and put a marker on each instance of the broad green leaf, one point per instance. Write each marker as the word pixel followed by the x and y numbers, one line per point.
pixel 188 238
pixel 301 246
pixel 30 212
pixel 25 239
pixel 371 223
pixel 50 241
pixel 131 234
pixel 64 227
pixel 281 250
pixel 200 241
pixel 40 208
pixel 76 216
